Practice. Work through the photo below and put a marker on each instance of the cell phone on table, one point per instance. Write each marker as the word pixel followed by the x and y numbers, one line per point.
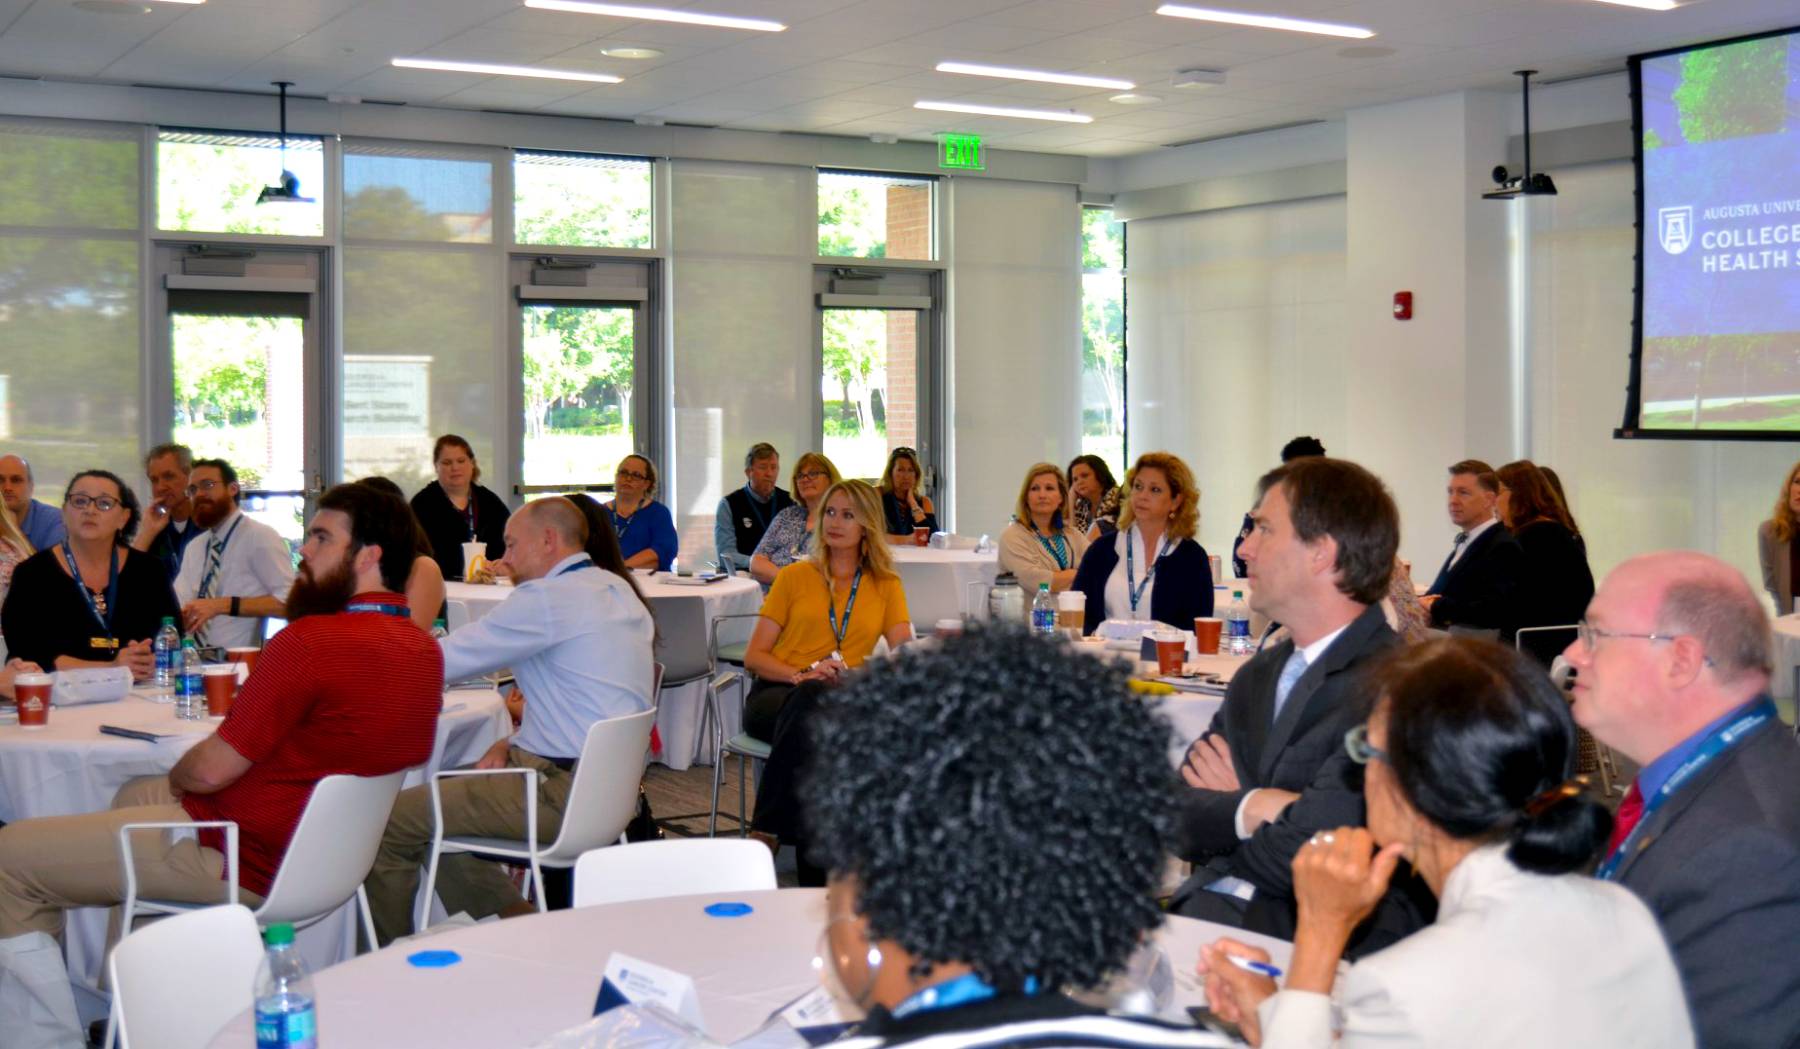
pixel 504 684
pixel 1205 1017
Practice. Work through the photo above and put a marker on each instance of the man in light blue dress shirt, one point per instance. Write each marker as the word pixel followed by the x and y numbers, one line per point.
pixel 579 642
pixel 40 523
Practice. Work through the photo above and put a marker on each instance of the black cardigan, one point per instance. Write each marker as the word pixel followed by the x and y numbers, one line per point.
pixel 448 529
pixel 45 615
pixel 1183 590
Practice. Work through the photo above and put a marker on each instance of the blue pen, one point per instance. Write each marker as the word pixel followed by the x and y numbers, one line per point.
pixel 1254 967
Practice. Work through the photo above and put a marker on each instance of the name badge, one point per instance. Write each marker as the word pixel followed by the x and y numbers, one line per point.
pixel 102 642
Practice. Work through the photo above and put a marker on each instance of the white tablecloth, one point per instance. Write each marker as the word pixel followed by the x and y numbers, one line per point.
pixel 521 980
pixel 1787 660
pixel 936 581
pixel 681 713
pixel 1190 714
pixel 70 768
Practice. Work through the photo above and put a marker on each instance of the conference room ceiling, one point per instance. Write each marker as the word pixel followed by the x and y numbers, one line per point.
pixel 855 67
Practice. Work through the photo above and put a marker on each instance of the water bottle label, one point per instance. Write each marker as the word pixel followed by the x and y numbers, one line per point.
pixel 1043 619
pixel 1239 627
pixel 283 1030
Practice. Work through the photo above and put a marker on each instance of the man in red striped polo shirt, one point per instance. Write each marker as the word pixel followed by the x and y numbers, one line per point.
pixel 351 686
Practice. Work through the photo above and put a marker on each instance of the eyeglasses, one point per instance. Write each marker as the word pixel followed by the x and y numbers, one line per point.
pixel 1587 633
pixel 207 486
pixel 811 475
pixel 632 475
pixel 104 503
pixel 1357 745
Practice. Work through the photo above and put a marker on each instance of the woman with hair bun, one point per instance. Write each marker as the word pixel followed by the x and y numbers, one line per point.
pixel 1467 758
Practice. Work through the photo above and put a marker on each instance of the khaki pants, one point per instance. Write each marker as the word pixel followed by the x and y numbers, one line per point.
pixel 49 865
pixel 487 806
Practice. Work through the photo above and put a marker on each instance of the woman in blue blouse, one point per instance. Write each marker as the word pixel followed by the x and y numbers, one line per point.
pixel 1151 568
pixel 646 528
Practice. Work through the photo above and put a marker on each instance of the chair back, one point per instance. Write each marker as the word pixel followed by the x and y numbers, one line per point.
pixel 456 615
pixel 332 848
pixel 648 870
pixel 1545 643
pixel 603 798
pixel 682 633
pixel 178 981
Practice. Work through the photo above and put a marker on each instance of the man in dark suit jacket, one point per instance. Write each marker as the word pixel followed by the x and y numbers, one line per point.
pixel 1673 671
pixel 1272 769
pixel 1475 586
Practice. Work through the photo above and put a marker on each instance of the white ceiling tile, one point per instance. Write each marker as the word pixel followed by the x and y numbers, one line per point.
pixel 1062 15
pixel 973 36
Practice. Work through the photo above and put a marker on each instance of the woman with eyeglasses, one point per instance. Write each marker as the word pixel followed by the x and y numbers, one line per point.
pixel 903 500
pixel 1041 545
pixel 989 855
pixel 645 528
pixel 454 509
pixel 1467 760
pixel 790 534
pixel 90 600
pixel 822 619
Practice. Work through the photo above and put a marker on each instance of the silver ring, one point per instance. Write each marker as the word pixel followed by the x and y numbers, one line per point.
pixel 1322 838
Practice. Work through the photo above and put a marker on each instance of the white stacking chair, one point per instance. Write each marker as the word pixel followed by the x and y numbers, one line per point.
pixel 177 982
pixel 602 800
pixel 456 615
pixel 648 870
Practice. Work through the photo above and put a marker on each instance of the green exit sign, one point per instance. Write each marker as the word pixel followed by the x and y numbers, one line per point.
pixel 960 151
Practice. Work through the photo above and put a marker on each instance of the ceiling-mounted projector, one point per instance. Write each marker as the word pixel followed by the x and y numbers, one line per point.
pixel 288 191
pixel 1525 184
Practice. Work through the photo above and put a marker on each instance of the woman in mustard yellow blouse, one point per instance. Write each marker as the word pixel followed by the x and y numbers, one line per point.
pixel 824 615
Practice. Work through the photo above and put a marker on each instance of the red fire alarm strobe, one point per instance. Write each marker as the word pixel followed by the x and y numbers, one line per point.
pixel 1403 305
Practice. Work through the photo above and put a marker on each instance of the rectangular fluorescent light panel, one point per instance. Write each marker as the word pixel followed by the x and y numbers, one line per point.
pixel 498 70
pixel 1648 5
pixel 656 14
pixel 1038 75
pixel 1005 111
pixel 1244 18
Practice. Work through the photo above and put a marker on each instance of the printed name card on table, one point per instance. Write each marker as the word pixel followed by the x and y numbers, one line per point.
pixel 632 981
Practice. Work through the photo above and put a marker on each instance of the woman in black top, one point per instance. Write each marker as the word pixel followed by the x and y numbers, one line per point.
pixel 90 600
pixel 903 502
pixel 1556 584
pixel 455 510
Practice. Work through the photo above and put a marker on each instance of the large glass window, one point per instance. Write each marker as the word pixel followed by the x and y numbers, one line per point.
pixel 1103 336
pixel 580 364
pixel 581 200
pixel 402 193
pixel 69 390
pixel 869 216
pixel 209 182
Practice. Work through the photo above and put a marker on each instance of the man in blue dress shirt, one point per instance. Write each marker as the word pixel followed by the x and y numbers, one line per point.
pixel 40 523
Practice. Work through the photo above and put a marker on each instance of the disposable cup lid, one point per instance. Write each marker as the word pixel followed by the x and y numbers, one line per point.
pixel 219 669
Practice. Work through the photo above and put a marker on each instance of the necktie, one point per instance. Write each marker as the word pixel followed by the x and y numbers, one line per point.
pixel 1437 585
pixel 1290 674
pixel 1631 809
pixel 209 579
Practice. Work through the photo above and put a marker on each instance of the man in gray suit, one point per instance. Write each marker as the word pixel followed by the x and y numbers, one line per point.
pixel 1272 768
pixel 1672 670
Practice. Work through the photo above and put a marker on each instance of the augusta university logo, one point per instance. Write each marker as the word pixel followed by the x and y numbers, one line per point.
pixel 1675 228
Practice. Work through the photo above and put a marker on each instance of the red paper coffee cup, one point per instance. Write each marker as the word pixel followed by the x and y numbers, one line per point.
pixel 1171 654
pixel 1206 635
pixel 922 536
pixel 220 681
pixel 246 656
pixel 33 694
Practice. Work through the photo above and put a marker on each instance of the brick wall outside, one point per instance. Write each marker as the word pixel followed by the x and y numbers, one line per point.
pixel 908 237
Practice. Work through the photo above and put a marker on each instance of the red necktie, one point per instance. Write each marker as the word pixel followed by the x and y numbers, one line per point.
pixel 1631 809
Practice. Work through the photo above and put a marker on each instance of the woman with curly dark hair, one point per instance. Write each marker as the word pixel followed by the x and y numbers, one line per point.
pixel 1467 761
pixel 988 852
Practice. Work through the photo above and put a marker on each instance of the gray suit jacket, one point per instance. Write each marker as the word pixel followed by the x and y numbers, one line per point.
pixel 1777 568
pixel 1719 866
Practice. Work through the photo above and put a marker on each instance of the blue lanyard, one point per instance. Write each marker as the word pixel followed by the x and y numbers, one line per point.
pixel 386 608
pixel 218 546
pixel 949 994
pixel 618 527
pixel 471 514
pixel 112 587
pixel 1719 742
pixel 1060 551
pixel 1132 586
pixel 849 606
pixel 586 562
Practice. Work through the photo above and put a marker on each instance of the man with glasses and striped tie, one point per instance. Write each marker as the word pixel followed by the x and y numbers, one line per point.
pixel 235 574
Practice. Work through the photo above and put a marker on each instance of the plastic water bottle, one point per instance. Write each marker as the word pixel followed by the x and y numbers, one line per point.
pixel 285 1015
pixel 168 651
pixel 190 689
pixel 1043 611
pixel 439 628
pixel 1237 625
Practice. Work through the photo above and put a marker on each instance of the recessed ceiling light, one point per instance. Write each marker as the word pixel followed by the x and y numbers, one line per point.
pixel 1245 18
pixel 631 52
pixel 1648 5
pixel 1064 115
pixel 1135 98
pixel 656 14
pixel 498 70
pixel 112 7
pixel 1038 75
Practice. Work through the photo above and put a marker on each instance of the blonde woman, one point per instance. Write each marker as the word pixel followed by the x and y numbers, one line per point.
pixel 14 547
pixel 822 619
pixel 1778 544
pixel 1152 568
pixel 790 534
pixel 903 502
pixel 1041 545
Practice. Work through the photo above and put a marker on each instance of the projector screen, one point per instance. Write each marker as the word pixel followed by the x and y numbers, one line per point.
pixel 1717 338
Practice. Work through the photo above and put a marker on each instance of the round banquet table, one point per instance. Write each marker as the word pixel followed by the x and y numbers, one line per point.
pixel 1189 714
pixel 524 979
pixel 680 715
pixel 937 581
pixel 69 767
